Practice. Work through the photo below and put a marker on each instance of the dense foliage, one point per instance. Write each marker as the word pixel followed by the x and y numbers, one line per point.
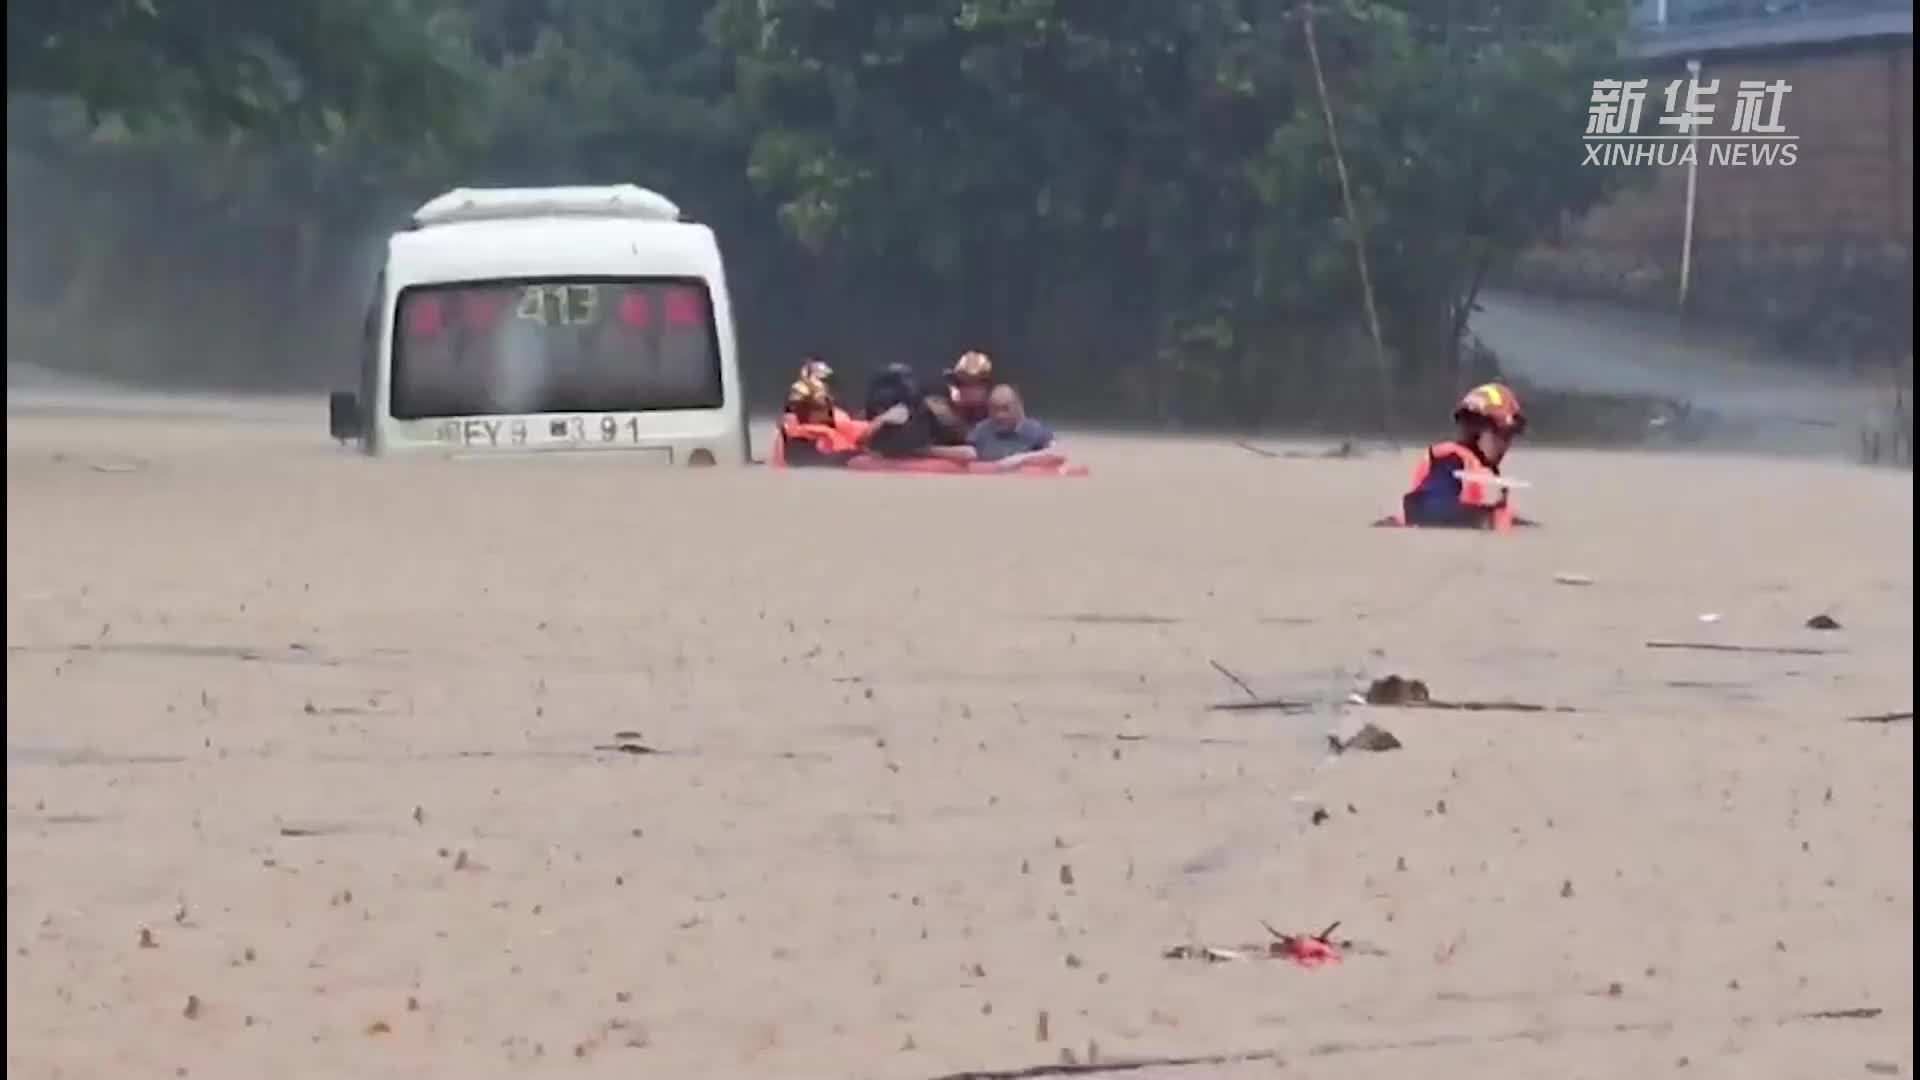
pixel 1131 202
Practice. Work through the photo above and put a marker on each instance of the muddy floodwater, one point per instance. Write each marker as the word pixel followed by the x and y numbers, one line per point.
pixel 325 768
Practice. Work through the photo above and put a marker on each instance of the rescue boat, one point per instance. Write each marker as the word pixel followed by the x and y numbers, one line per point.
pixel 939 466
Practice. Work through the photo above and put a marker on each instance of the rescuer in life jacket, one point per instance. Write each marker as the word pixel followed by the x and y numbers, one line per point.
pixel 818 370
pixel 969 383
pixel 814 431
pixel 1456 483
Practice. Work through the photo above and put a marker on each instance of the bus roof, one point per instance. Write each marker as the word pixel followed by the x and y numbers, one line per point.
pixel 624 201
pixel 562 246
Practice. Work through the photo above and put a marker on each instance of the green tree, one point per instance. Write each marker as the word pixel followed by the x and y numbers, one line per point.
pixel 296 70
pixel 1176 154
pixel 1461 122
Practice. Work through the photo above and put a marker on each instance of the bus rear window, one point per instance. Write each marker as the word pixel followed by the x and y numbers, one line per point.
pixel 550 346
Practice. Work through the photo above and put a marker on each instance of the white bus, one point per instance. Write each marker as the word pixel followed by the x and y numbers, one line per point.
pixel 576 320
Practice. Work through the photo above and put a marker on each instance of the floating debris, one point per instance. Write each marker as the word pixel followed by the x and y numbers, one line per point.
pixel 1718 646
pixel 1371 738
pixel 1397 690
pixel 624 747
pixel 1234 679
pixel 1497 706
pixel 1823 621
pixel 1340 452
pixel 1208 953
pixel 1867 1013
pixel 1306 950
pixel 311 830
pixel 1290 705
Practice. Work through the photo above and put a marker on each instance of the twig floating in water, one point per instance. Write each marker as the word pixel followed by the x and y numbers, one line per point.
pixel 1331 453
pixel 1430 1042
pixel 1868 1013
pixel 1716 646
pixel 626 748
pixel 1882 718
pixel 1493 706
pixel 1234 679
pixel 1133 737
pixel 1094 618
pixel 1124 1065
pixel 1263 705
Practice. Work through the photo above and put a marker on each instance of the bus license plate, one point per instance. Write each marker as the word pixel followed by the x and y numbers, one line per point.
pixel 607 429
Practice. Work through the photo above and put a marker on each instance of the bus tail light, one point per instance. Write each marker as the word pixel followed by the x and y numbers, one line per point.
pixel 480 310
pixel 686 309
pixel 635 312
pixel 425 317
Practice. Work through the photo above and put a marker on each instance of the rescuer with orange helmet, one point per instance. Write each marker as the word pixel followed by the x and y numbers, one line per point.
pixel 969 382
pixel 1457 484
pixel 818 370
pixel 814 430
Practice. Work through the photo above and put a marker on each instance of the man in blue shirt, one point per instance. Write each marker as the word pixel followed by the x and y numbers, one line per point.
pixel 1008 437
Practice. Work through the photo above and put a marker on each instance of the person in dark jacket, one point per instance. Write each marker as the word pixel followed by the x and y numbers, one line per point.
pixel 906 423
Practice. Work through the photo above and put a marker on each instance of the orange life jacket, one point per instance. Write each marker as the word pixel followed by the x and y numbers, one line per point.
pixel 841 436
pixel 1473 493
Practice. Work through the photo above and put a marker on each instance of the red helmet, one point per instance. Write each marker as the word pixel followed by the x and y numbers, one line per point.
pixel 1495 404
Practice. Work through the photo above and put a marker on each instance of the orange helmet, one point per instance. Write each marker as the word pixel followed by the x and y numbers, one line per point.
pixel 972 367
pixel 1496 404
pixel 816 369
pixel 808 391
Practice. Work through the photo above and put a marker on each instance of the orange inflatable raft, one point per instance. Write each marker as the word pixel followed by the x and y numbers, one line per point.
pixel 1042 466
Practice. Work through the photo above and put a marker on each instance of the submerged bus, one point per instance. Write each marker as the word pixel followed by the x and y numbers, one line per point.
pixel 573 320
